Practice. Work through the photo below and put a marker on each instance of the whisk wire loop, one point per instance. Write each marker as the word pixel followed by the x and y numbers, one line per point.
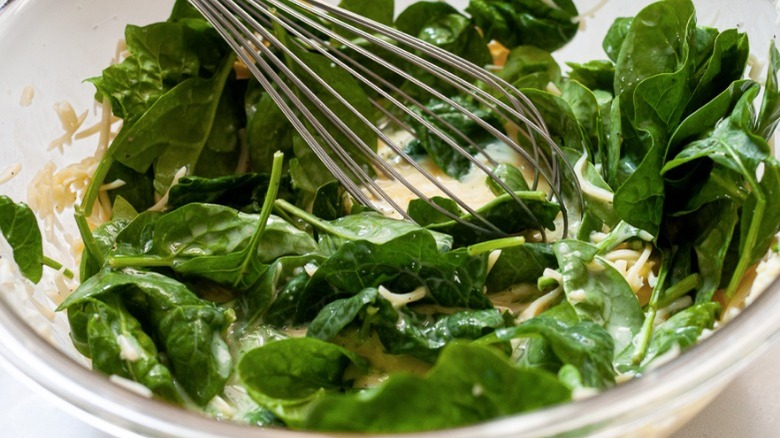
pixel 366 149
pixel 250 27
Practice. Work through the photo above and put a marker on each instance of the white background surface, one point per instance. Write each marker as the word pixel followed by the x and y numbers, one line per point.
pixel 749 407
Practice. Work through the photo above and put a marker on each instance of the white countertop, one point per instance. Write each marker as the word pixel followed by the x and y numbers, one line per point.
pixel 750 407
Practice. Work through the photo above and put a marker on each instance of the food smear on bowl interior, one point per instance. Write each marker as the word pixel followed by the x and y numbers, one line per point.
pixel 223 268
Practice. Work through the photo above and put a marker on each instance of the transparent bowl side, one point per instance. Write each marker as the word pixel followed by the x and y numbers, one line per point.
pixel 34 339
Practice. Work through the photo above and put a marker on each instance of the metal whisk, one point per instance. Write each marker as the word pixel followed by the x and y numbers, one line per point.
pixel 353 43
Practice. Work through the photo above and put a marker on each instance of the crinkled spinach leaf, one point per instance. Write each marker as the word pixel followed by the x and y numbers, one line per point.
pixel 444 398
pixel 103 330
pixel 20 229
pixel 545 24
pixel 186 328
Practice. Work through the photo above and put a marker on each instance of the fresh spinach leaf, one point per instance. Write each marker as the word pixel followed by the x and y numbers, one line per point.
pixel 446 157
pixel 402 264
pixel 732 144
pixel 424 214
pixel 726 64
pixel 681 330
pixel 547 25
pixel 105 237
pixel 561 122
pixel 138 189
pixel 424 337
pixel 598 292
pixel 413 19
pixel 456 34
pixel 584 345
pixel 703 120
pixel 653 83
pixel 273 298
pixel 108 334
pixel 267 128
pixel 186 328
pixel 444 26
pixel 520 264
pixel 329 201
pixel 509 175
pixel 381 11
pixel 530 67
pixel 295 368
pixel 402 330
pixel 369 226
pixel 505 212
pixel 20 229
pixel 616 35
pixel 244 192
pixel 596 74
pixel 770 105
pixel 444 398
pixel 338 314
pixel 190 107
pixel 221 152
pixel 162 55
pixel 287 375
pixel 212 241
pixel 587 111
pixel 713 244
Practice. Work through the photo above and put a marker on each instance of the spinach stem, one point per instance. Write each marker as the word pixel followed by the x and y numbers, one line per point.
pixel 306 216
pixel 679 289
pixel 746 256
pixel 90 244
pixel 646 332
pixel 265 212
pixel 492 245
pixel 54 264
pixel 121 261
pixel 93 189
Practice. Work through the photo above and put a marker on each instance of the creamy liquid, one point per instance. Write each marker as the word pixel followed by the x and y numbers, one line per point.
pixel 471 188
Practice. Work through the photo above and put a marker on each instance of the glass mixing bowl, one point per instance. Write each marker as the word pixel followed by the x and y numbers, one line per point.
pixel 52 45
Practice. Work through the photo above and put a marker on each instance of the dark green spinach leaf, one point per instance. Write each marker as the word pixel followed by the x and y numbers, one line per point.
pixel 107 333
pixel 186 328
pixel 20 229
pixel 444 398
pixel 548 25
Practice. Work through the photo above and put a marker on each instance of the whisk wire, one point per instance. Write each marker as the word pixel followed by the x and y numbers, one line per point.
pixel 366 149
pixel 443 74
pixel 258 63
pixel 342 155
pixel 245 25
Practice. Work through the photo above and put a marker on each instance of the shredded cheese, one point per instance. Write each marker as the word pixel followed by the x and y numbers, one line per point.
pixel 70 122
pixel 28 93
pixel 553 89
pixel 131 386
pixel 400 300
pixel 310 268
pixel 540 304
pixel 10 172
pixel 587 187
pixel 127 349
pixel 590 13
pixel 493 258
pixel 222 408
pixel 162 203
